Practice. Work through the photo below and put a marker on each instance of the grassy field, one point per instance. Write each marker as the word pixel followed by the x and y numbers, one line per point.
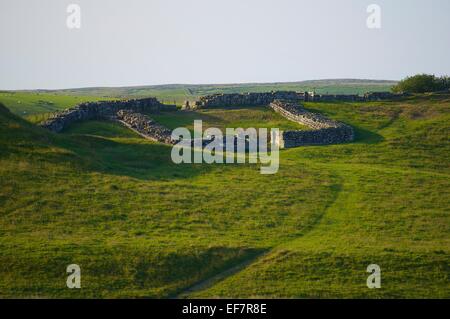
pixel 256 117
pixel 140 226
pixel 27 104
pixel 178 93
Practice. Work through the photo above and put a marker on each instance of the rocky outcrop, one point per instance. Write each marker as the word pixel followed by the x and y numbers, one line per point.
pixel 102 110
pixel 324 130
pixel 145 126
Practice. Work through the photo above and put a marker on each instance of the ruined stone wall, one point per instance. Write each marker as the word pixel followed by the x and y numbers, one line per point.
pixel 246 99
pixel 367 97
pixel 259 99
pixel 325 131
pixel 335 97
pixel 145 126
pixel 101 110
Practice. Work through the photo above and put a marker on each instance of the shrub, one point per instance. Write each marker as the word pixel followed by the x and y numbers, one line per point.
pixel 422 83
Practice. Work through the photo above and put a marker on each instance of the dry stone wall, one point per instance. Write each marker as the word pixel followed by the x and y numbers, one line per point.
pixel 260 99
pixel 367 97
pixel 324 130
pixel 247 99
pixel 148 128
pixel 145 126
pixel 101 110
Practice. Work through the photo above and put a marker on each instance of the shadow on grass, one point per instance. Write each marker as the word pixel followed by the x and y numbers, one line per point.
pixel 216 273
pixel 184 119
pixel 363 136
pixel 136 158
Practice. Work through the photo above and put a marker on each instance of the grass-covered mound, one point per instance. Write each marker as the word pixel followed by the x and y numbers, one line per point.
pixel 138 225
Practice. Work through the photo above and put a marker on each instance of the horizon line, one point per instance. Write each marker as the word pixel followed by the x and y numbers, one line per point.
pixel 198 84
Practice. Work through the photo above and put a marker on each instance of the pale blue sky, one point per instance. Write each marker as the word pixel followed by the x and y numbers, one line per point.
pixel 144 42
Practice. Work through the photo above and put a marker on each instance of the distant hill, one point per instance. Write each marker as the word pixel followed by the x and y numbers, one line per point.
pixel 177 93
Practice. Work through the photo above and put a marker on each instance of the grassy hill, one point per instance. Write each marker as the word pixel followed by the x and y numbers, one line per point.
pixel 37 106
pixel 140 226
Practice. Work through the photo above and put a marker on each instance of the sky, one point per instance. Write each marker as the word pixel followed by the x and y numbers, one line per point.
pixel 149 42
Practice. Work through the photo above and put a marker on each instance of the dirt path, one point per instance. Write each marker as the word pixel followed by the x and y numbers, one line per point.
pixel 209 282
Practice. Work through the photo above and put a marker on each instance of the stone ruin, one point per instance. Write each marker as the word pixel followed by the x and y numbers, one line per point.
pixel 324 130
pixel 246 99
pixel 128 112
pixel 259 99
pixel 102 110
pixel 145 126
pixel 188 106
pixel 367 97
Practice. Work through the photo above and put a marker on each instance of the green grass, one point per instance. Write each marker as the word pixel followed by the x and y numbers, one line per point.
pixel 141 226
pixel 32 104
pixel 256 117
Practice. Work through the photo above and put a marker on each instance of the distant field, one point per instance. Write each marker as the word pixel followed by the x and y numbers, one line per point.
pixel 140 226
pixel 177 93
pixel 37 106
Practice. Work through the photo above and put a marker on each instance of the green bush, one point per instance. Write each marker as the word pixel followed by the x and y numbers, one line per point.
pixel 422 83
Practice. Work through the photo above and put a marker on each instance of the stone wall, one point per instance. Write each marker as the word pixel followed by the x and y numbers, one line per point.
pixel 145 126
pixel 324 130
pixel 313 97
pixel 102 110
pixel 128 112
pixel 261 99
pixel 367 97
pixel 148 128
pixel 246 99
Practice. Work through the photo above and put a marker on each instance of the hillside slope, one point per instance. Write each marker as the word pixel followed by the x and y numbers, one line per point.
pixel 140 226
pixel 137 224
pixel 392 209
